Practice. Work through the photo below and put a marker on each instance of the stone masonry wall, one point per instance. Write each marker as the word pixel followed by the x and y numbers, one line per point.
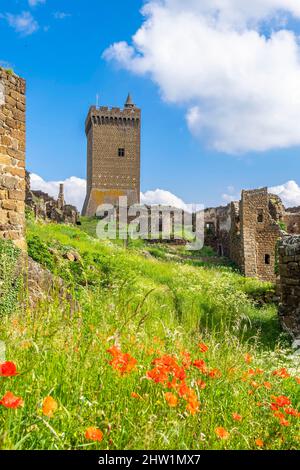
pixel 260 234
pixel 12 157
pixel 289 269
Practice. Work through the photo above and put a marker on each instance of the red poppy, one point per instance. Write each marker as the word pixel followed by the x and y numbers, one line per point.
pixel 11 401
pixel 236 417
pixel 201 384
pixel 284 422
pixel 291 411
pixel 94 434
pixel 268 385
pixel 248 358
pixel 282 373
pixel 49 407
pixel 281 401
pixel 203 348
pixel 8 369
pixel 222 433
pixel 123 363
pixel 200 364
pixel 171 399
pixel 215 374
pixel 259 442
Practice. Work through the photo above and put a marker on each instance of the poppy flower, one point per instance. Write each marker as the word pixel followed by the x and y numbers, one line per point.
pixel 203 348
pixel 49 407
pixel 193 406
pixel 259 442
pixel 94 434
pixel 236 417
pixel 284 422
pixel 291 411
pixel 248 358
pixel 281 401
pixel 222 433
pixel 123 363
pixel 215 374
pixel 268 385
pixel 171 399
pixel 135 395
pixel 282 373
pixel 201 384
pixel 8 369
pixel 200 364
pixel 11 401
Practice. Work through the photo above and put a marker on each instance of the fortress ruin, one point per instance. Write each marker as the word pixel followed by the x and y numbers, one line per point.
pixel 248 231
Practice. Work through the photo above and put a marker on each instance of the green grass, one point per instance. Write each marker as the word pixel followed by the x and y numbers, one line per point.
pixel 148 305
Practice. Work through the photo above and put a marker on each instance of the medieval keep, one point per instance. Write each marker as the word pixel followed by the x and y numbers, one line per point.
pixel 113 156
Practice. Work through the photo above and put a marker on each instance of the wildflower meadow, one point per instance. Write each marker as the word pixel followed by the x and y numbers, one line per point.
pixel 161 352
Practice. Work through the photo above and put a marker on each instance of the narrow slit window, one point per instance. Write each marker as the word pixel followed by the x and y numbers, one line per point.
pixel 267 259
pixel 121 152
pixel 260 216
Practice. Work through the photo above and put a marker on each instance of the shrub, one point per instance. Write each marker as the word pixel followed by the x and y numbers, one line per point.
pixel 10 278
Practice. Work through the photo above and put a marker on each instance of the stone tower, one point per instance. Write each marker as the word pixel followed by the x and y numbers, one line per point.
pixel 113 156
pixel 61 197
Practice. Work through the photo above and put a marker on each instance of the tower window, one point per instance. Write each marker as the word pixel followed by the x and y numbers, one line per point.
pixel 267 259
pixel 121 152
pixel 260 216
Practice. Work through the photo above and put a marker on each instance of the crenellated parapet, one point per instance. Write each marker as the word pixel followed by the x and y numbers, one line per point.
pixel 105 116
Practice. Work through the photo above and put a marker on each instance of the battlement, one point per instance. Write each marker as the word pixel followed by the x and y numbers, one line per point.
pixel 115 116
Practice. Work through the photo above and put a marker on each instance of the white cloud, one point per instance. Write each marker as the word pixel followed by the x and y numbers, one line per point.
pixel 288 192
pixel 240 87
pixel 164 198
pixel 24 23
pixel 60 15
pixel 75 188
pixel 34 3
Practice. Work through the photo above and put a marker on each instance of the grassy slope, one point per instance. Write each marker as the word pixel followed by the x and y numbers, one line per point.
pixel 148 307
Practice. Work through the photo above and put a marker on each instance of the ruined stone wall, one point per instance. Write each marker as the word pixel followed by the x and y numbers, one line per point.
pixel 217 225
pixel 110 175
pixel 235 239
pixel 260 234
pixel 289 269
pixel 12 157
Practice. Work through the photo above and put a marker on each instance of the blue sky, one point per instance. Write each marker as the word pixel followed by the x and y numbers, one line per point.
pixel 58 46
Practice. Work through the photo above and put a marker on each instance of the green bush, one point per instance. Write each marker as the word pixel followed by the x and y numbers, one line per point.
pixel 10 279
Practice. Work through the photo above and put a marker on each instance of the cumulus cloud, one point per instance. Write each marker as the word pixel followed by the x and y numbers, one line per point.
pixel 163 198
pixel 24 23
pixel 289 193
pixel 232 64
pixel 75 188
